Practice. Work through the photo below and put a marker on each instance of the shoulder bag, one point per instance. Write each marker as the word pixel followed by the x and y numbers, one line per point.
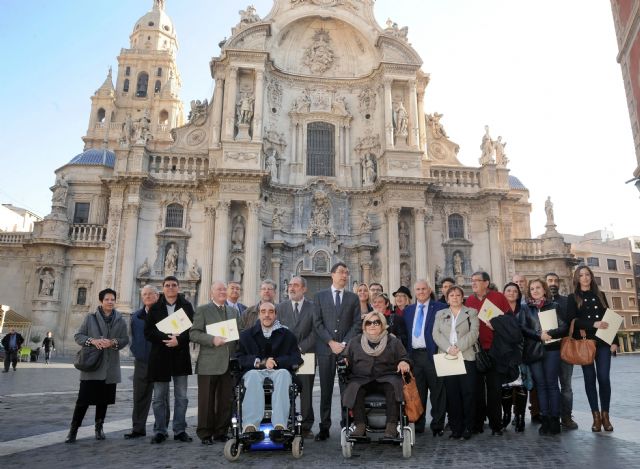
pixel 577 351
pixel 412 403
pixel 89 358
pixel 483 359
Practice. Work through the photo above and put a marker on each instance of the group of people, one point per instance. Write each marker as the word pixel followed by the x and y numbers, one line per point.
pixel 507 359
pixel 12 343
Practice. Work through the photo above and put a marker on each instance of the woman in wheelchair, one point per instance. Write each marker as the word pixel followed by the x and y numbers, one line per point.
pixel 375 358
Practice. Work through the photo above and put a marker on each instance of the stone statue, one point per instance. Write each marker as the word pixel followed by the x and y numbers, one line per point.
pixel 401 120
pixel 47 282
pixel 339 106
pixel 271 165
pixel 393 29
pixel 237 270
pixel 245 108
pixel 319 56
pixel 436 127
pixel 276 219
pixel 249 15
pixel 142 128
pixel 320 216
pixel 365 226
pixel 127 130
pixel 501 157
pixel 198 113
pixel 487 148
pixel 237 233
pixel 548 209
pixel 368 170
pixel 437 274
pixel 171 260
pixel 457 264
pixel 194 271
pixel 303 103
pixel 60 190
pixel 405 275
pixel 144 269
pixel 403 236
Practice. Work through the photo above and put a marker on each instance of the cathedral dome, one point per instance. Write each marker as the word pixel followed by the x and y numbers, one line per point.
pixel 95 157
pixel 154 30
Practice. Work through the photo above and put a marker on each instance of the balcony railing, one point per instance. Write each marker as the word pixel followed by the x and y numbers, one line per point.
pixel 14 238
pixel 85 233
pixel 183 168
pixel 457 177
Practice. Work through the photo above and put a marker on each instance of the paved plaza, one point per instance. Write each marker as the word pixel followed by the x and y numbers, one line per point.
pixel 36 403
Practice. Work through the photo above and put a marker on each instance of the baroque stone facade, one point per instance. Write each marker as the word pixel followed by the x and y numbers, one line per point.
pixel 314 148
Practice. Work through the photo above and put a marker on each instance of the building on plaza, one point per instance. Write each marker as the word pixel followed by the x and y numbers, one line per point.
pixel 314 148
pixel 14 219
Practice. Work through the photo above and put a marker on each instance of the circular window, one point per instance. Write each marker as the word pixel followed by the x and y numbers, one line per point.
pixel 151 23
pixel 368 116
pixel 166 28
pixel 274 110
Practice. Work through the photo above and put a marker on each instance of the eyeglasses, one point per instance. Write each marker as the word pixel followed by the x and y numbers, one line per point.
pixel 170 285
pixel 373 323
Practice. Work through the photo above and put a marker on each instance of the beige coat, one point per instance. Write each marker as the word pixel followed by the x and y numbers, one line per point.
pixel 467 328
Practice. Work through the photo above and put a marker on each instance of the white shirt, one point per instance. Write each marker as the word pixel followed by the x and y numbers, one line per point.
pixel 453 335
pixel 300 303
pixel 419 342
pixel 333 294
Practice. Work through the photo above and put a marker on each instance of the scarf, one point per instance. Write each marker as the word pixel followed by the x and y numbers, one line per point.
pixel 374 346
pixel 267 332
pixel 107 319
pixel 537 303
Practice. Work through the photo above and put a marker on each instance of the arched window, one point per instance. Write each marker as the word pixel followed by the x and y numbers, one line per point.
pixel 163 118
pixel 82 296
pixel 159 72
pixel 143 83
pixel 127 71
pixel 175 213
pixel 156 88
pixel 456 226
pixel 125 87
pixel 320 149
pixel 101 115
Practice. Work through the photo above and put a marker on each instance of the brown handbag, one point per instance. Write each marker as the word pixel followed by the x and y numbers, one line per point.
pixel 412 403
pixel 578 351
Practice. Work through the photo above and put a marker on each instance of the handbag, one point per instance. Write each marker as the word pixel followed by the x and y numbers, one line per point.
pixel 483 360
pixel 412 403
pixel 89 358
pixel 578 351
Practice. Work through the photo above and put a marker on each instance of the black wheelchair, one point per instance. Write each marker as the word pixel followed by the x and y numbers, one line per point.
pixel 375 406
pixel 265 438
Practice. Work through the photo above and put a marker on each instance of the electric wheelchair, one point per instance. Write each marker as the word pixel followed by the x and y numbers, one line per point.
pixel 265 438
pixel 375 407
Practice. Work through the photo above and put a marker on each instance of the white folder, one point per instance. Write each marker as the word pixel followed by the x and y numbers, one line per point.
pixel 227 329
pixel 309 365
pixel 175 323
pixel 615 321
pixel 489 311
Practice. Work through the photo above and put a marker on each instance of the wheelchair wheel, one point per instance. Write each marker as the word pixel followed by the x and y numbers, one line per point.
pixel 347 446
pixel 232 450
pixel 406 443
pixel 296 447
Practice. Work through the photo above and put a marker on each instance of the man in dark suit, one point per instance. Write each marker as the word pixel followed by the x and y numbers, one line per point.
pixel 267 295
pixel 419 319
pixel 296 313
pixel 336 320
pixel 234 290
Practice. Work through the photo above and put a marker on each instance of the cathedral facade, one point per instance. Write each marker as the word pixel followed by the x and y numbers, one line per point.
pixel 314 148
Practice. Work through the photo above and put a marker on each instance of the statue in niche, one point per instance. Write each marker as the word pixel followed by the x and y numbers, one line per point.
pixel 303 103
pixel 285 289
pixel 276 219
pixel 339 106
pixel 144 269
pixel 548 209
pixel 403 236
pixel 245 108
pixel 437 274
pixel 47 282
pixel 60 190
pixel 249 15
pixel 237 233
pixel 498 147
pixel 263 267
pixel 271 165
pixel 487 148
pixel 320 215
pixel 405 275
pixel 142 128
pixel 436 127
pixel 365 226
pixel 369 172
pixel 171 260
pixel 127 130
pixel 194 271
pixel 400 120
pixel 236 270
pixel 457 264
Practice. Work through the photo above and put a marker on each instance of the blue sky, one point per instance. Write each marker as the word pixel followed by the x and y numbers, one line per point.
pixel 541 74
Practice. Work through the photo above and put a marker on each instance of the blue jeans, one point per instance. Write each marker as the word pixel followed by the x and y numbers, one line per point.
pixel 253 403
pixel 546 373
pixel 161 405
pixel 600 368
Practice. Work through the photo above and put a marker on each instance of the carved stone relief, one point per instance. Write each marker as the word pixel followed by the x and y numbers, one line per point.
pixel 319 57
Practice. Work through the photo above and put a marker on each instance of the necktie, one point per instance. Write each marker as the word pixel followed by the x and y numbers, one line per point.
pixel 417 330
pixel 338 302
pixel 296 311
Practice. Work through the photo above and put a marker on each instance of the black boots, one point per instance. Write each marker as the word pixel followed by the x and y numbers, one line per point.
pixel 519 423
pixel 544 427
pixel 550 425
pixel 99 432
pixel 73 433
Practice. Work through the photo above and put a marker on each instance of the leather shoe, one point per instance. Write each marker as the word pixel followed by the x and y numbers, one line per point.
pixel 438 432
pixel 183 437
pixel 134 434
pixel 322 435
pixel 207 441
pixel 221 438
pixel 158 438
pixel 467 434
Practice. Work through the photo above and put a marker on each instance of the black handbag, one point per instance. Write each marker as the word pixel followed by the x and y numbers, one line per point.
pixel 88 357
pixel 533 351
pixel 483 360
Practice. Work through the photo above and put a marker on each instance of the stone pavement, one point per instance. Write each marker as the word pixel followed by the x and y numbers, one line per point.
pixel 36 403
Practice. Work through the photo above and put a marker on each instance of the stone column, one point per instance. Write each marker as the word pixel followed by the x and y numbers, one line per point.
pixel 421 243
pixel 493 227
pixel 366 273
pixel 422 128
pixel 221 242
pixel 126 293
pixel 207 263
pixel 388 113
pixel 252 255
pixel 257 107
pixel 394 249
pixel 414 139
pixel 276 262
pixel 229 111
pixel 428 229
pixel 216 118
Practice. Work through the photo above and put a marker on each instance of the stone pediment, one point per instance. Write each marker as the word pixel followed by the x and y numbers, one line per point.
pixel 193 135
pixel 253 37
pixel 395 50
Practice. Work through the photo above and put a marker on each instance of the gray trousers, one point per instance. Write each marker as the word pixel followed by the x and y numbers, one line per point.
pixel 142 395
pixel 306 401
pixel 253 402
pixel 566 393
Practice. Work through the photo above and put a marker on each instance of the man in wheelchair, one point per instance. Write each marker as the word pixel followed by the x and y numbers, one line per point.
pixel 375 360
pixel 267 350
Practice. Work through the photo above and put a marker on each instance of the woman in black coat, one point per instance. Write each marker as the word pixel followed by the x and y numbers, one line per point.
pixel 542 353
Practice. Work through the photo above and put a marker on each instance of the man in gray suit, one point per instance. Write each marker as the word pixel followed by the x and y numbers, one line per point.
pixel 296 314
pixel 214 377
pixel 336 320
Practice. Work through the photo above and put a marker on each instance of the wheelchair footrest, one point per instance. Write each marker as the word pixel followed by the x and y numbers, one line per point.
pixel 358 439
pixel 389 441
pixel 280 436
pixel 252 437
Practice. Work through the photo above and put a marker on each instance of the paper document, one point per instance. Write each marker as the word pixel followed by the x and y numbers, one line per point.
pixel 548 321
pixel 615 321
pixel 489 311
pixel 175 323
pixel 227 329
pixel 449 365
pixel 309 365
